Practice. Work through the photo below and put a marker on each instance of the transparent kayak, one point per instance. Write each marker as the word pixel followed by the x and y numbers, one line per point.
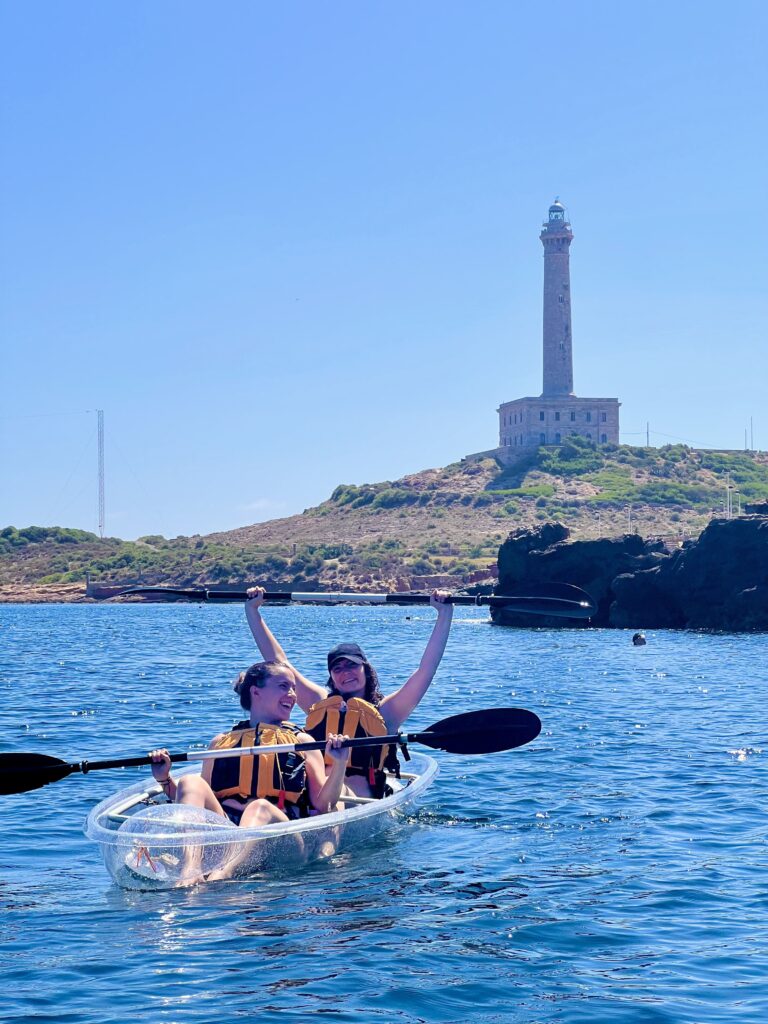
pixel 149 843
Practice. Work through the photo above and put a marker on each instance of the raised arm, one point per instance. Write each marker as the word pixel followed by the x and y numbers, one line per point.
pixel 307 692
pixel 396 707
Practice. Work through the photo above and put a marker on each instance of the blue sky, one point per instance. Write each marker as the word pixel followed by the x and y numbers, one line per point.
pixel 286 246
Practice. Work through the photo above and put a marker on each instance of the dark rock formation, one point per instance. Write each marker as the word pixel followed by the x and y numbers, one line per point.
pixel 719 581
pixel 543 555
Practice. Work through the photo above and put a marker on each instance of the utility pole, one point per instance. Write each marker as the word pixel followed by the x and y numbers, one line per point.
pixel 100 434
pixel 647 434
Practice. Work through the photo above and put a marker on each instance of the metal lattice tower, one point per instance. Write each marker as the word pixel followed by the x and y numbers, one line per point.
pixel 100 432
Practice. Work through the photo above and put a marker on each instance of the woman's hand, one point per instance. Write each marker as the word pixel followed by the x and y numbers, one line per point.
pixel 334 749
pixel 439 601
pixel 161 764
pixel 255 597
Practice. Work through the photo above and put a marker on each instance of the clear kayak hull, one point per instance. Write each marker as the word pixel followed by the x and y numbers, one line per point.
pixel 149 843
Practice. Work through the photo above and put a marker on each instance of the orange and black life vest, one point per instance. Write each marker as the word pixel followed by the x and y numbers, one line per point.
pixel 279 778
pixel 355 717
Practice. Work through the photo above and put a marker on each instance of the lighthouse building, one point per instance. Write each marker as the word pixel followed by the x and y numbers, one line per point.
pixel 557 413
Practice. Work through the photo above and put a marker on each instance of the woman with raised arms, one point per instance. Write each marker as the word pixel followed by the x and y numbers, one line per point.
pixel 351 701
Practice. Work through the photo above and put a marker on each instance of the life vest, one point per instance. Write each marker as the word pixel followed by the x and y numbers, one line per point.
pixel 280 778
pixel 355 717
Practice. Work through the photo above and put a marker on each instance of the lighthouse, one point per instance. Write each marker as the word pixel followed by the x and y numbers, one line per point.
pixel 558 413
pixel 556 237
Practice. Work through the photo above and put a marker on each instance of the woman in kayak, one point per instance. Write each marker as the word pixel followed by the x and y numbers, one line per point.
pixel 351 701
pixel 253 791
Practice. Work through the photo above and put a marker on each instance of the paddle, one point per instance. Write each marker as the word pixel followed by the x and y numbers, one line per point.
pixel 475 732
pixel 561 600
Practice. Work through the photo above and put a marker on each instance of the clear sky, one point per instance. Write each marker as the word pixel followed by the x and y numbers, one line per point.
pixel 290 245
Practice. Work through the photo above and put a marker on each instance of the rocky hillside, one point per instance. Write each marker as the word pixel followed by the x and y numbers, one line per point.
pixel 410 532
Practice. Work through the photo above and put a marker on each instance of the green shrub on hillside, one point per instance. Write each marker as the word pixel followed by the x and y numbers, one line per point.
pixel 11 538
pixel 573 457
pixel 531 491
pixel 615 484
pixel 676 494
pixel 422 567
pixel 394 497
pixel 355 497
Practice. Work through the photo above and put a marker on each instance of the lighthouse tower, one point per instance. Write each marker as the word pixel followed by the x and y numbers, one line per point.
pixel 556 236
pixel 528 423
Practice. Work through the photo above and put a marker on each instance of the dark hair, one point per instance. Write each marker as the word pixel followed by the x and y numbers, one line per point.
pixel 372 692
pixel 257 675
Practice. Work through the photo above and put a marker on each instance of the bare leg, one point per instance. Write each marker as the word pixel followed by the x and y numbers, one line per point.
pixel 257 814
pixel 194 791
pixel 261 812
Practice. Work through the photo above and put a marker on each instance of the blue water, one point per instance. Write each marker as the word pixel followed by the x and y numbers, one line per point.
pixel 615 870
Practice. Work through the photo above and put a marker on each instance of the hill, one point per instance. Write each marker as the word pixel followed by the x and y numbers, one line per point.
pixel 395 534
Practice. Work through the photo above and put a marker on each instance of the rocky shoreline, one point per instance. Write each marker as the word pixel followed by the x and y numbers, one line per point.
pixel 718 582
pixel 44 593
pixel 94 593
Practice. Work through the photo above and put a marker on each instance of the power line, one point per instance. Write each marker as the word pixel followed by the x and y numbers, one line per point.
pixel 672 437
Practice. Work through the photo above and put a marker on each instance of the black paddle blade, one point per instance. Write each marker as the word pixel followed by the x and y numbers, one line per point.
pixel 19 773
pixel 481 732
pixel 168 593
pixel 560 600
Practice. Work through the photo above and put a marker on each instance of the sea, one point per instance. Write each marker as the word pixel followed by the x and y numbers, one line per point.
pixel 613 870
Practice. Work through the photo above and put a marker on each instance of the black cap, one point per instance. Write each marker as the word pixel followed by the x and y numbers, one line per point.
pixel 351 652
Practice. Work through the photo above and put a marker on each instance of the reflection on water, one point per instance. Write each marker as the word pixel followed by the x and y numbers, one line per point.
pixel 614 871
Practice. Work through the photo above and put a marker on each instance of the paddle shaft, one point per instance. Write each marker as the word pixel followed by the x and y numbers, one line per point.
pixel 485 731
pixel 307 597
pixel 277 748
pixel 311 597
pixel 552 599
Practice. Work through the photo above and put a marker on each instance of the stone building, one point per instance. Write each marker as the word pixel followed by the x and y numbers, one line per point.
pixel 557 413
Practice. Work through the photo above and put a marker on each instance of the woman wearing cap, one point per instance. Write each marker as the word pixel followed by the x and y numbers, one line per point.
pixel 351 702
